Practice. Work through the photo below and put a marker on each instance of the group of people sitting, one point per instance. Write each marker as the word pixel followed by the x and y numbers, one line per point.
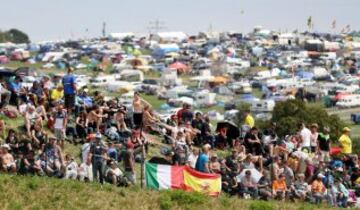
pixel 55 111
pixel 113 137
pixel 301 166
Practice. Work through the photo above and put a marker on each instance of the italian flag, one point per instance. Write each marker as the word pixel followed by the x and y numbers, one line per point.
pixel 160 177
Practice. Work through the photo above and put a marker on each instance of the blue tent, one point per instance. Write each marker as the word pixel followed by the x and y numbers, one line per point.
pixel 161 51
pixel 304 74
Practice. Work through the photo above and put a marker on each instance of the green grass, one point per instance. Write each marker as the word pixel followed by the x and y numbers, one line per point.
pixel 153 100
pixel 23 192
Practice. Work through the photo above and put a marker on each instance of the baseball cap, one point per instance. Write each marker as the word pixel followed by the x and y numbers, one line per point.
pixel 346 129
pixel 98 136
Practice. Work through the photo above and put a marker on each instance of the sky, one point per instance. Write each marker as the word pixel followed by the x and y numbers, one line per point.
pixel 45 20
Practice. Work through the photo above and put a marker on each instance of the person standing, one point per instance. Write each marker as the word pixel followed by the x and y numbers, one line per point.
pixel 345 142
pixel 61 118
pixel 138 106
pixel 202 163
pixel 314 137
pixel 129 163
pixel 69 84
pixel 305 135
pixel 324 145
pixel 249 120
pixel 97 156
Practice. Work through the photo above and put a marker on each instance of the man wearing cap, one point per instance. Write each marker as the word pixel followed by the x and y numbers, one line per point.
pixel 202 163
pixel 97 157
pixel 54 157
pixel 61 118
pixel 69 83
pixel 345 142
pixel 85 148
pixel 324 144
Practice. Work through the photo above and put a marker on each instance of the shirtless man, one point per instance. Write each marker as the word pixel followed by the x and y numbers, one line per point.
pixel 94 118
pixel 7 160
pixel 138 109
pixel 120 119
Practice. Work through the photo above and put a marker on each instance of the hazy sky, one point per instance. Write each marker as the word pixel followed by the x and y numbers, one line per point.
pixel 63 19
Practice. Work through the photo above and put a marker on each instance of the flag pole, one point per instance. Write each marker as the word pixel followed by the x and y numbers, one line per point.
pixel 142 156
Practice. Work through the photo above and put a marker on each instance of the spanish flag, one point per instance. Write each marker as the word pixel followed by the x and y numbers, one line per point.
pixel 209 184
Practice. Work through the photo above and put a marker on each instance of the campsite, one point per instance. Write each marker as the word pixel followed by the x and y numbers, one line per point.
pixel 170 115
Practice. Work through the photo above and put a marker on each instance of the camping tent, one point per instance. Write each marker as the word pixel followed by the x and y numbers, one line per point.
pixel 162 49
pixel 180 67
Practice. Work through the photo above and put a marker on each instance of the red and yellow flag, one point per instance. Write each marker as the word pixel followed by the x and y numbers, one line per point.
pixel 209 184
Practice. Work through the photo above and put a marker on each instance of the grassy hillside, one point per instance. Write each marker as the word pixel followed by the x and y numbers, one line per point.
pixel 17 192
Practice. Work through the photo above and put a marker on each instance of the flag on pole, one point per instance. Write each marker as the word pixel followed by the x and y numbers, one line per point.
pixel 160 177
pixel 209 184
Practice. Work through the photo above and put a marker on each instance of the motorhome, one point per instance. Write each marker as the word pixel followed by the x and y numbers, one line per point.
pixel 241 87
pixel 262 106
pixel 204 98
pixel 170 78
pixel 102 81
pixel 130 76
pixel 349 101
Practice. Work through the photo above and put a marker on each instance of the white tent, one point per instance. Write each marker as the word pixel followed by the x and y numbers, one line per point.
pixel 121 35
pixel 171 36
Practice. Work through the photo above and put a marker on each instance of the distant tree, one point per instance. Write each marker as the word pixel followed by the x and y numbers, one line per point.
pixel 289 114
pixel 18 36
pixel 14 35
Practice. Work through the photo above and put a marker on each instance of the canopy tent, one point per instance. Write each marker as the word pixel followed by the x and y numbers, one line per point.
pixel 180 67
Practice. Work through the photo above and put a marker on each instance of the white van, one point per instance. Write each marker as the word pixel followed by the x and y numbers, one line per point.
pixel 102 81
pixel 262 106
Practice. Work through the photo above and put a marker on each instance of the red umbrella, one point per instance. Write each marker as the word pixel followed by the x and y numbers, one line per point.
pixel 180 67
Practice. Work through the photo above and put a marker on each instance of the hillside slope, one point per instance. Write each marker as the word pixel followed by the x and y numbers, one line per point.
pixel 18 192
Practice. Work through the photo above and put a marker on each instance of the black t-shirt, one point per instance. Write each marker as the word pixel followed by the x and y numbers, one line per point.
pixel 249 136
pixel 187 116
pixel 231 163
pixel 97 151
pixel 197 124
pixel 324 142
pixel 205 129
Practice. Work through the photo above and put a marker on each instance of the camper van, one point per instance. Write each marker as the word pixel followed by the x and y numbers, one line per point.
pixel 262 106
pixel 204 98
pixel 177 92
pixel 130 76
pixel 169 78
pixel 349 101
pixel 102 81
pixel 241 87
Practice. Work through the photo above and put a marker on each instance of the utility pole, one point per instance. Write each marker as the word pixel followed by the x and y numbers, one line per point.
pixel 104 29
pixel 156 26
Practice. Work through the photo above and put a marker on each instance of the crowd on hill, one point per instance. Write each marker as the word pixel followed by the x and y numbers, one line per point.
pixel 113 137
